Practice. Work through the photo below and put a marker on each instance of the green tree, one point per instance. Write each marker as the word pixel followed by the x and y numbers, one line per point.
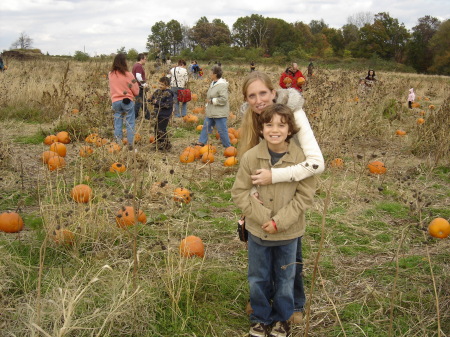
pixel 250 31
pixel 336 39
pixel 158 40
pixel 420 53
pixel 281 36
pixel 81 56
pixel 175 36
pixel 121 50
pixel 317 26
pixel 207 34
pixel 132 54
pixel 440 44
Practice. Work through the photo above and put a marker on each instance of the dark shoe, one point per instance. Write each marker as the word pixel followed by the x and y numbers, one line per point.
pixel 198 143
pixel 281 329
pixel 259 330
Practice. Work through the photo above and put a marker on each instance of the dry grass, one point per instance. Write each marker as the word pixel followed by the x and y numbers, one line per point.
pixel 376 269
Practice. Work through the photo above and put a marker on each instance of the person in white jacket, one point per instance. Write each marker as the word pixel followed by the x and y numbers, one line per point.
pixel 259 93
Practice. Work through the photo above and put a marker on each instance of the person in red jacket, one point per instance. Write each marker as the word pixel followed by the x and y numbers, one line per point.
pixel 290 78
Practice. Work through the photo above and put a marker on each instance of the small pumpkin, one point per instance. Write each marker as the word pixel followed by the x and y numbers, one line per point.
pixel 49 140
pixel 208 158
pixel 287 80
pixel 230 151
pixel 182 195
pixel 187 157
pixel 81 193
pixel 117 167
pixel 46 155
pixel 208 148
pixel 300 81
pixel 11 222
pixel 199 110
pixel 63 237
pixel 337 163
pixel 152 139
pixel 189 118
pixel 63 137
pixel 420 121
pixel 192 246
pixel 59 148
pixel 194 97
pixel 92 138
pixel 86 151
pixel 75 111
pixel 114 147
pixel 400 133
pixel 376 167
pixel 56 163
pixel 439 228
pixel 199 127
pixel 230 161
pixel 415 105
pixel 431 107
pixel 137 137
pixel 126 217
pixel 101 141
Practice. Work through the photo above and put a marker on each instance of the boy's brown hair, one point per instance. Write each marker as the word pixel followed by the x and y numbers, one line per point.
pixel 286 114
pixel 165 80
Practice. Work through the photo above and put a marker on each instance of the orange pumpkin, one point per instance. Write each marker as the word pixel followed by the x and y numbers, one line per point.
pixel 59 148
pixel 92 138
pixel 287 80
pixel 63 137
pixel 431 107
pixel 81 193
pixel 230 151
pixel 182 195
pixel 208 158
pixel 400 133
pixel 208 148
pixel 337 163
pixel 192 246
pixel 199 127
pixel 11 222
pixel 117 167
pixel 187 157
pixel 49 140
pixel 46 155
pixel 300 81
pixel 194 97
pixel 56 163
pixel 230 161
pixel 420 121
pixel 189 118
pixel 101 141
pixel 126 217
pixel 376 167
pixel 137 137
pixel 152 139
pixel 113 147
pixel 234 141
pixel 75 111
pixel 63 236
pixel 199 110
pixel 86 151
pixel 439 228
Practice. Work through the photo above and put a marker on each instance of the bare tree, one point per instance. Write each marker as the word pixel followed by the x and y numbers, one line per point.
pixel 360 19
pixel 23 42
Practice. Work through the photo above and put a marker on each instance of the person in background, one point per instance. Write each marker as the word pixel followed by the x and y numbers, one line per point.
pixel 123 89
pixel 139 73
pixel 196 69
pixel 2 65
pixel 310 69
pixel 217 109
pixel 162 100
pixel 411 97
pixel 274 222
pixel 290 78
pixel 370 78
pixel 252 66
pixel 178 79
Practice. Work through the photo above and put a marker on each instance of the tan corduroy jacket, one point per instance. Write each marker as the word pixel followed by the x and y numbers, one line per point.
pixel 284 202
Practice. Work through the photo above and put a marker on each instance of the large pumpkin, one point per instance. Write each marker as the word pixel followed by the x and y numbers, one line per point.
pixel 59 148
pixel 56 163
pixel 126 217
pixel 376 167
pixel 81 193
pixel 439 228
pixel 230 151
pixel 192 246
pixel 182 195
pixel 187 157
pixel 117 167
pixel 287 80
pixel 300 81
pixel 46 155
pixel 49 140
pixel 208 158
pixel 11 222
pixel 230 161
pixel 63 137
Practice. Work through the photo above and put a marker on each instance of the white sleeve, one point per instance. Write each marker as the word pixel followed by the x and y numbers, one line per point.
pixel 314 162
pixel 139 77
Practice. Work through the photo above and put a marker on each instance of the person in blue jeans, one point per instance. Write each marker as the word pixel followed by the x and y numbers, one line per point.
pixel 274 221
pixel 178 80
pixel 217 109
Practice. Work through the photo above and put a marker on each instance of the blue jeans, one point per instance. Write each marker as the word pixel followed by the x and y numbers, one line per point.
pixel 221 124
pixel 271 273
pixel 299 291
pixel 123 112
pixel 177 104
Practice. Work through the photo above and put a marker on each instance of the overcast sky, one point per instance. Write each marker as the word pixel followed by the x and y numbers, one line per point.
pixel 60 27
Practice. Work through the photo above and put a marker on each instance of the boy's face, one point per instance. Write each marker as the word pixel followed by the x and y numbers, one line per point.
pixel 162 86
pixel 275 132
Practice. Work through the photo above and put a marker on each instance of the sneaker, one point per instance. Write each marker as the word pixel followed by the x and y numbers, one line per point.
pixel 259 330
pixel 281 329
pixel 296 318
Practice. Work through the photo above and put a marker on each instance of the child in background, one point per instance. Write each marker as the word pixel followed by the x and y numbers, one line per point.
pixel 162 100
pixel 411 97
pixel 274 225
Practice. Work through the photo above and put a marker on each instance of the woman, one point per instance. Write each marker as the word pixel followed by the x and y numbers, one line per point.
pixel 371 75
pixel 123 89
pixel 178 80
pixel 217 109
pixel 259 93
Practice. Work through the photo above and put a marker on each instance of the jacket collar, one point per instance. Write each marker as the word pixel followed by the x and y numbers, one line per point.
pixel 263 152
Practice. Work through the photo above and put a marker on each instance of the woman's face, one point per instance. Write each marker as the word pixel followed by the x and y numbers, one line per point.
pixel 371 72
pixel 259 96
pixel 213 76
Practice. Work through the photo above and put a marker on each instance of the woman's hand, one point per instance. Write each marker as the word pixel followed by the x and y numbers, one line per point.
pixel 262 177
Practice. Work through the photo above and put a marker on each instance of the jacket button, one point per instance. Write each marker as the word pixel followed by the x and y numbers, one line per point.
pixel 265 236
pixel 271 199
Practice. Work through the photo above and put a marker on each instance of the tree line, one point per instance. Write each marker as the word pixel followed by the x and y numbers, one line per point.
pixel 365 35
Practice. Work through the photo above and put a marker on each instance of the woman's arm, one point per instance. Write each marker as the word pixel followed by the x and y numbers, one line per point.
pixel 222 95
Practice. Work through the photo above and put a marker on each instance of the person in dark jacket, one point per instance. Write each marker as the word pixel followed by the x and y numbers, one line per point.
pixel 162 100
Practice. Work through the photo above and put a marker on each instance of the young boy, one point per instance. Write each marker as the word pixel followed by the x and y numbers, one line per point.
pixel 274 225
pixel 162 100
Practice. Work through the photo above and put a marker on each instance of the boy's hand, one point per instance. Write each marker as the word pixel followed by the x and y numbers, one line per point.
pixel 268 227
pixel 256 196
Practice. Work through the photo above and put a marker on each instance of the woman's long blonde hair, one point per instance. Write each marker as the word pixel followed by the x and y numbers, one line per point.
pixel 249 135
